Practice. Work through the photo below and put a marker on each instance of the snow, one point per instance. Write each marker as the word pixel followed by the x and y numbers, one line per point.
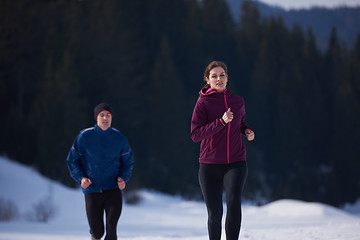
pixel 306 4
pixel 161 217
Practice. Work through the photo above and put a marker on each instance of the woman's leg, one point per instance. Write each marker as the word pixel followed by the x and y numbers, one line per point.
pixel 211 183
pixel 234 181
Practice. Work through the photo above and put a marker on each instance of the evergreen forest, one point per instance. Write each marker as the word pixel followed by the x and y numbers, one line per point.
pixel 58 59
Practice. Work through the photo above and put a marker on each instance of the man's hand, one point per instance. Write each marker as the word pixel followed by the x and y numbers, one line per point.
pixel 121 183
pixel 85 182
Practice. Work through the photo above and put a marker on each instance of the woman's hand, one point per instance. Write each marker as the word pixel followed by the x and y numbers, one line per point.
pixel 121 183
pixel 228 116
pixel 85 182
pixel 250 135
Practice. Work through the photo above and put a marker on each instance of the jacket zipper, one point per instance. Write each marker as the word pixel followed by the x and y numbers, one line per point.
pixel 228 133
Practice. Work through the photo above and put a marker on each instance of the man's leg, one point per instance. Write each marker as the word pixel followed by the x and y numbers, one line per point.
pixel 95 212
pixel 113 208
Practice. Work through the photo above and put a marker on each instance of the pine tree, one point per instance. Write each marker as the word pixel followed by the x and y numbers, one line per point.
pixel 168 134
pixel 250 33
pixel 331 80
pixel 346 131
pixel 218 27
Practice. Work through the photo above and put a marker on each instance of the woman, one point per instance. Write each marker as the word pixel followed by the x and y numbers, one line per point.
pixel 218 122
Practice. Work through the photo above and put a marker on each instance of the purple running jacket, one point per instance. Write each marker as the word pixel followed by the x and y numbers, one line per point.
pixel 220 143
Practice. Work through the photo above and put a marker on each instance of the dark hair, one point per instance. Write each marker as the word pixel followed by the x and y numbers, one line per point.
pixel 212 65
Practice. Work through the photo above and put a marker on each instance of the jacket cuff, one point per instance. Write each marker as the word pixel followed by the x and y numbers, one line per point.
pixel 222 121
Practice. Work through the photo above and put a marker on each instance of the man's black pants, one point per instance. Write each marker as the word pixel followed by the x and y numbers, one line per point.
pixel 110 202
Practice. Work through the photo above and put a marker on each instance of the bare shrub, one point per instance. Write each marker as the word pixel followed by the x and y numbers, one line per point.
pixel 8 210
pixel 42 211
pixel 132 197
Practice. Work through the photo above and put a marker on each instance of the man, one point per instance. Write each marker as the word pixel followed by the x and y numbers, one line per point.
pixel 101 160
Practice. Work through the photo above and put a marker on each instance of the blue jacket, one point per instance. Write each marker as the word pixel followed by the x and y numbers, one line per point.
pixel 101 156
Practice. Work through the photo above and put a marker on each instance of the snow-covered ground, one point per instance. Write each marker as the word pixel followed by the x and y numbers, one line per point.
pixel 161 217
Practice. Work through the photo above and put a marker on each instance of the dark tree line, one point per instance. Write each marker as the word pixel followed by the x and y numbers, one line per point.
pixel 146 59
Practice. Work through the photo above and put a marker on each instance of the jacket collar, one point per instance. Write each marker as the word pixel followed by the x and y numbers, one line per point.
pixel 209 91
pixel 98 129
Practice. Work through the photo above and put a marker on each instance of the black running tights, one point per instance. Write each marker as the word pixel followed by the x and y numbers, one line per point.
pixel 213 179
pixel 110 202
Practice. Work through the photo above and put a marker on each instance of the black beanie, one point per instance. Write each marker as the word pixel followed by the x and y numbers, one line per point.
pixel 101 107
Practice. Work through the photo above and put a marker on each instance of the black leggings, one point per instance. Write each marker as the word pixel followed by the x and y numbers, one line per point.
pixel 213 179
pixel 109 201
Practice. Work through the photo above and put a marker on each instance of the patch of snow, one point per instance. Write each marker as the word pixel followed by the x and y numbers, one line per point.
pixel 161 217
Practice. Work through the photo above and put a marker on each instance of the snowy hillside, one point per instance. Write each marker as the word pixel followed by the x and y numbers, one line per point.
pixel 160 217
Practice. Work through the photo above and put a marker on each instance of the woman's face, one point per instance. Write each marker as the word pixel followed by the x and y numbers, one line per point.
pixel 217 79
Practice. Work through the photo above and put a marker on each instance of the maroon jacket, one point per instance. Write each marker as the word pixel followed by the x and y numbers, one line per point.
pixel 220 143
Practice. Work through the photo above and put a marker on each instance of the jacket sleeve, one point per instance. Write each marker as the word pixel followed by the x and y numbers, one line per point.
pixel 127 162
pixel 200 128
pixel 244 126
pixel 74 162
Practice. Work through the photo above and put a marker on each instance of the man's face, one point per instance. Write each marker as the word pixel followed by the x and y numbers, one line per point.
pixel 104 119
